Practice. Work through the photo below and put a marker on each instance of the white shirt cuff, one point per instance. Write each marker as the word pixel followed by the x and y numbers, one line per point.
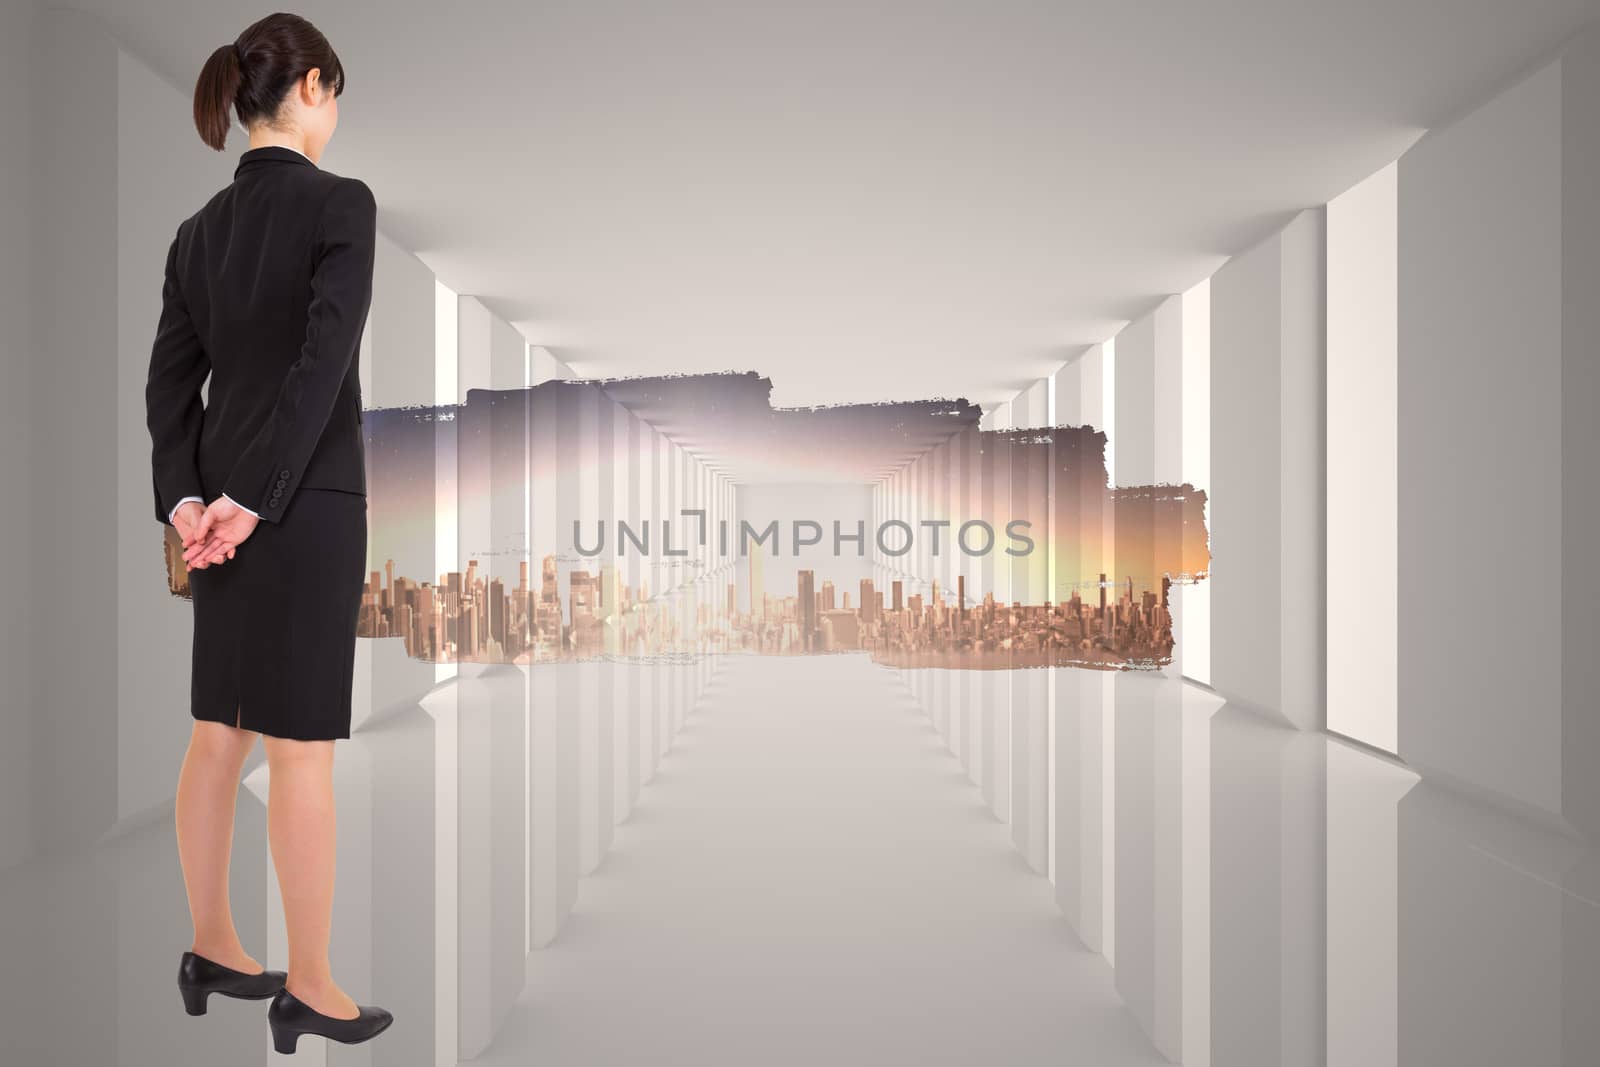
pixel 241 507
pixel 180 504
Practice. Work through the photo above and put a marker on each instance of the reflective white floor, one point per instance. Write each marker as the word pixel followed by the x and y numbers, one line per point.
pixel 836 862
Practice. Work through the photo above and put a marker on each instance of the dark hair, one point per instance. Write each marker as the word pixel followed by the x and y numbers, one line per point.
pixel 256 71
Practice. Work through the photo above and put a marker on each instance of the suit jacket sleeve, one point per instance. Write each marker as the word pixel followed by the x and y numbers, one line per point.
pixel 268 471
pixel 173 410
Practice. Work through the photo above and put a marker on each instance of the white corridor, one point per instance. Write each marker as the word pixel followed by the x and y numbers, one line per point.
pixel 809 878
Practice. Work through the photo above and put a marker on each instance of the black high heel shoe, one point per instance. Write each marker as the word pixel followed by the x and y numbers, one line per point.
pixel 199 977
pixel 289 1017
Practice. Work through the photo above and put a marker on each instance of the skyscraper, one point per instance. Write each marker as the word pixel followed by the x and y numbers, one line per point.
pixel 758 589
pixel 807 608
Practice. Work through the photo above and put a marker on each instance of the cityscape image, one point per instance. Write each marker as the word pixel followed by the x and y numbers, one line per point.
pixel 582 538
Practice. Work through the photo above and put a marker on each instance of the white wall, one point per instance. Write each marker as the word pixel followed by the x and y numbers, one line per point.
pixel 1580 431
pixel 17 346
pixel 75 501
pixel 1497 446
pixel 1480 446
pixel 398 349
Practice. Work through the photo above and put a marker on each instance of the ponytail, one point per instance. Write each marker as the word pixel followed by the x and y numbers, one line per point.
pixel 214 94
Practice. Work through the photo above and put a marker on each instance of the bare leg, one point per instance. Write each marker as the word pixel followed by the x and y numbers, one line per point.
pixel 300 826
pixel 207 787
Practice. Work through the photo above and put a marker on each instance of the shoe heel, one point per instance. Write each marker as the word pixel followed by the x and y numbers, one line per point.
pixel 284 1041
pixel 194 1000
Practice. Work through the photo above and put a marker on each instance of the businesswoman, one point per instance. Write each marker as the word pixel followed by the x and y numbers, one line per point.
pixel 266 291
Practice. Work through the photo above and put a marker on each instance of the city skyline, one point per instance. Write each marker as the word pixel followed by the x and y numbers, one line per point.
pixel 512 476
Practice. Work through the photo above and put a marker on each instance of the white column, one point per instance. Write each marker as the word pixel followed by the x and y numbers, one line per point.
pixel 547 816
pixel 559 687
pixel 1149 704
pixel 1029 689
pixel 594 733
pixel 1083 727
pixel 1363 500
pixel 1267 475
pixel 1194 617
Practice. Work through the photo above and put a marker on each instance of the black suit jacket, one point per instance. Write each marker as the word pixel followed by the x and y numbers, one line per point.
pixel 267 290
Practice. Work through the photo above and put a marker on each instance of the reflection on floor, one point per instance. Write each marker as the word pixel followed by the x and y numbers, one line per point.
pixel 811 879
pixel 772 860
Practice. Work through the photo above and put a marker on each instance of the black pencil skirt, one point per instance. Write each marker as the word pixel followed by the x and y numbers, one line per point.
pixel 275 626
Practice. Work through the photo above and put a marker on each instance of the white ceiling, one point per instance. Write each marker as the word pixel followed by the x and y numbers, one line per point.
pixel 864 202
